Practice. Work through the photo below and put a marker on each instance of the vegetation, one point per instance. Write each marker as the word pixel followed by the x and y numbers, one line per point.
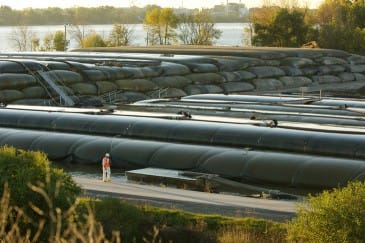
pixel 93 40
pixel 287 29
pixel 54 214
pixel 160 24
pixel 121 35
pixel 30 176
pixel 293 26
pixel 345 20
pixel 198 28
pixel 337 216
pixel 59 42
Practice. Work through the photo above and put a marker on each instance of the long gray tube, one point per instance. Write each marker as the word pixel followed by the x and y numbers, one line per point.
pixel 186 131
pixel 286 169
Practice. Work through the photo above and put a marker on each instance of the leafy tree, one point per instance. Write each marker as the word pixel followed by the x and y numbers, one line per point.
pixel 93 40
pixel 287 29
pixel 160 24
pixel 198 29
pixel 337 216
pixel 59 42
pixel 345 20
pixel 121 35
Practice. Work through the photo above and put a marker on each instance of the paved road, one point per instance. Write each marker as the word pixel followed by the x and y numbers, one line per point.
pixel 191 201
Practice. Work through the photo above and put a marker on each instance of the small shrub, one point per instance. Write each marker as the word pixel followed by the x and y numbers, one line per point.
pixel 39 190
pixel 332 216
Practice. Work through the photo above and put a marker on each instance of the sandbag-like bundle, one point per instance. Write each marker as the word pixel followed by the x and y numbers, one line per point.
pixel 65 76
pixel 11 67
pixel 331 69
pixel 105 87
pixel 356 68
pixel 203 89
pixel 174 69
pixel 326 79
pixel 230 76
pixel 84 89
pixel 9 95
pixel 266 71
pixel 267 84
pixel 114 73
pixel 135 71
pixel 331 61
pixel 230 64
pixel 206 78
pixel 167 93
pixel 67 90
pixel 275 63
pixel 295 81
pixel 245 75
pixel 308 71
pixel 291 71
pixel 92 75
pixel 138 84
pixel 297 62
pixel 359 77
pixel 16 81
pixel 202 67
pixel 231 87
pixel 171 81
pixel 53 65
pixel 153 71
pixel 34 92
pixel 346 76
pixel 131 96
pixel 356 59
pixel 77 66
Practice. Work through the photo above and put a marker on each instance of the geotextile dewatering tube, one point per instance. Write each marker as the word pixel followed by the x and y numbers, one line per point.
pixel 245 165
pixel 193 132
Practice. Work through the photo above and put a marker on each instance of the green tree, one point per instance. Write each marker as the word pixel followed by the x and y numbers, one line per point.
pixel 59 42
pixel 336 216
pixel 287 29
pixel 198 29
pixel 160 24
pixel 93 40
pixel 345 20
pixel 121 35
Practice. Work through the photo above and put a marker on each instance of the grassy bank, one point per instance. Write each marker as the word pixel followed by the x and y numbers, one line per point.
pixel 138 223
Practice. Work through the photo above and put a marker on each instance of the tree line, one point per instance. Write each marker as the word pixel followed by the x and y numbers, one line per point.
pixel 336 24
pixel 83 15
pixel 163 27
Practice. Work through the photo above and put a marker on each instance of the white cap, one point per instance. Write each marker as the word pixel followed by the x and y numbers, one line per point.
pixel 107 154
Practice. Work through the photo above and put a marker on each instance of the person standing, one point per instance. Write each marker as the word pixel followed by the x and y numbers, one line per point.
pixel 106 167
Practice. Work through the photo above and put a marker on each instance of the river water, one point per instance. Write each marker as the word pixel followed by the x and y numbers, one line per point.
pixel 233 34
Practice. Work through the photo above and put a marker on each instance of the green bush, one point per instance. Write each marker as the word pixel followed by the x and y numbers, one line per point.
pixel 115 215
pixel 37 188
pixel 332 216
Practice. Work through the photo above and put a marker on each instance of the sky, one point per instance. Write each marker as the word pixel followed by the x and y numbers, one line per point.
pixel 21 4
